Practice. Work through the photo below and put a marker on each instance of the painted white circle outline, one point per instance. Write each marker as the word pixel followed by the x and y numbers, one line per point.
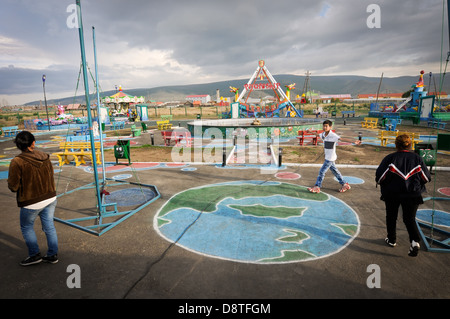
pixel 156 228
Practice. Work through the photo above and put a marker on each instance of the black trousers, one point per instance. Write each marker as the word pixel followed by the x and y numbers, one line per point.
pixel 409 209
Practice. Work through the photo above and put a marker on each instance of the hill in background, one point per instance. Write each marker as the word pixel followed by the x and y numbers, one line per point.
pixel 344 84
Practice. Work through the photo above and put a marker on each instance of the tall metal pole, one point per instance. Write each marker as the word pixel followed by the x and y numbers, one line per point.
pixel 448 21
pixel 100 129
pixel 442 75
pixel 86 93
pixel 45 100
pixel 378 91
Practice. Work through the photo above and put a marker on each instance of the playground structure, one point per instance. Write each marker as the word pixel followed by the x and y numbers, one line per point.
pixel 419 106
pixel 414 99
pixel 242 106
pixel 62 115
pixel 149 193
pixel 107 213
pixel 267 127
pixel 54 123
pixel 433 224
pixel 121 102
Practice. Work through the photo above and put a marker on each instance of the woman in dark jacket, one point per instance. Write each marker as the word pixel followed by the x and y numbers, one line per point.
pixel 402 176
pixel 31 177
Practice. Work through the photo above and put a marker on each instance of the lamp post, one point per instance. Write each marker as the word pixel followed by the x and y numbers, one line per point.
pixel 45 99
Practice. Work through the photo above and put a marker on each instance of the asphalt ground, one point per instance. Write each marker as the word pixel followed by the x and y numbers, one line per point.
pixel 133 260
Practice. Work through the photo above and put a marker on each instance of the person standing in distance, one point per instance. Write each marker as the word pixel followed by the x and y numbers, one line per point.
pixel 402 176
pixel 31 177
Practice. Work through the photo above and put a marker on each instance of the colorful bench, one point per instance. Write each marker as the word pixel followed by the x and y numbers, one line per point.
pixel 302 135
pixel 370 122
pixel 186 137
pixel 390 136
pixel 78 150
pixel 170 136
pixel 10 131
pixel 84 130
pixel 118 125
pixel 391 124
pixel 436 123
pixel 348 113
pixel 386 136
pixel 164 125
pixel 177 137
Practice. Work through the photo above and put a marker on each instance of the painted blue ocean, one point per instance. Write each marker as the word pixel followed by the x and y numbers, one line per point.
pixel 321 228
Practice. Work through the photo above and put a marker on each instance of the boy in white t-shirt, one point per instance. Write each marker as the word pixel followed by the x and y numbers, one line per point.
pixel 330 140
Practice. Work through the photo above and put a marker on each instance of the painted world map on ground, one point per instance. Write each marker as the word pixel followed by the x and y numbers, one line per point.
pixel 257 222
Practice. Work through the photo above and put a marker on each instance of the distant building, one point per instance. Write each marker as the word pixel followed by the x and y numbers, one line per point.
pixel 329 97
pixel 73 107
pixel 203 99
pixel 380 96
pixel 395 95
pixel 438 94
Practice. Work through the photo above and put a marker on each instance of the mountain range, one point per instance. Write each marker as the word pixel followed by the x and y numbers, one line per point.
pixel 340 84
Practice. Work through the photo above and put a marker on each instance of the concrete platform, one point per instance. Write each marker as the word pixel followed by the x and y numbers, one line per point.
pixel 133 260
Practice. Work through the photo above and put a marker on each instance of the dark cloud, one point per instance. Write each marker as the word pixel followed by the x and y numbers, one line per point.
pixel 153 43
pixel 20 80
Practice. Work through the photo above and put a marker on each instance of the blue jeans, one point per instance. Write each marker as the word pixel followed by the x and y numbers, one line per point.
pixel 325 167
pixel 27 218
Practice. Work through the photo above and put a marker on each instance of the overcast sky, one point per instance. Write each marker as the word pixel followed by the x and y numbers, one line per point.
pixel 144 44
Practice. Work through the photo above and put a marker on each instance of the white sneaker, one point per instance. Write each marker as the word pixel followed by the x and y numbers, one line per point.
pixel 414 249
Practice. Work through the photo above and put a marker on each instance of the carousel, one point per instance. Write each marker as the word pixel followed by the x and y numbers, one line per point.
pixel 120 103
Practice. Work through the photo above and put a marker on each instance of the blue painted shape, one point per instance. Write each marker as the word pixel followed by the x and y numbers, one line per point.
pixel 122 176
pixel 267 167
pixel 130 196
pixel 227 233
pixel 439 219
pixel 352 180
pixel 4 174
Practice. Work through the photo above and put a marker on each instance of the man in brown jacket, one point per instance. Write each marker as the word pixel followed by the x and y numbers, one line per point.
pixel 31 177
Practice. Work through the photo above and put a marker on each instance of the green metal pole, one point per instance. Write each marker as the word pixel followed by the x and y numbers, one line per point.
pixel 448 22
pixel 88 106
pixel 98 109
